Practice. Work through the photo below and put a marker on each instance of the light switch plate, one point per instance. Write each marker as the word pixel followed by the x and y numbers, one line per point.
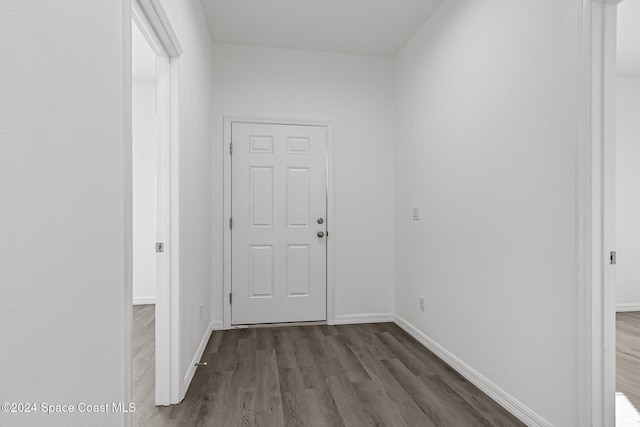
pixel 416 213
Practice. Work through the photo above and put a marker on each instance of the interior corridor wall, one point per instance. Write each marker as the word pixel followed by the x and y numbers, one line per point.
pixel 487 133
pixel 63 129
pixel 628 193
pixel 356 93
pixel 144 152
pixel 62 208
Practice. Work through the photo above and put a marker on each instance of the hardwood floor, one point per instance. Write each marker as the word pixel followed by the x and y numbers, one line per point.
pixel 351 375
pixel 144 361
pixel 628 356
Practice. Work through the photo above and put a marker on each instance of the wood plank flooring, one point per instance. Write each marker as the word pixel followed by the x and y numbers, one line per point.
pixel 628 355
pixel 144 361
pixel 351 375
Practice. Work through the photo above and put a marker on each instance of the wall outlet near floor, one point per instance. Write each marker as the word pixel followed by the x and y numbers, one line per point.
pixel 421 303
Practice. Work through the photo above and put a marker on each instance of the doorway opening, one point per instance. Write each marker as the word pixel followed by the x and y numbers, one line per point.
pixel 596 216
pixel 627 214
pixel 144 126
pixel 153 232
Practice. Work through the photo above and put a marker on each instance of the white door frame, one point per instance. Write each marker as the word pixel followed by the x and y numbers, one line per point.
pixel 331 235
pixel 152 21
pixel 595 214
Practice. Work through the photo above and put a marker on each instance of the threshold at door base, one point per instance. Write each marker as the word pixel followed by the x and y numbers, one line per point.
pixel 279 325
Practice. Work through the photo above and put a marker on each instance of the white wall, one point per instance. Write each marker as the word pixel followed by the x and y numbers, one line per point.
pixel 62 210
pixel 145 131
pixel 356 93
pixel 188 22
pixel 628 193
pixel 486 146
pixel 62 261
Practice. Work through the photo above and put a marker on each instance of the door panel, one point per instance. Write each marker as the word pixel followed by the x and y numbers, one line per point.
pixel 261 197
pixel 298 270
pixel 261 271
pixel 278 193
pixel 298 197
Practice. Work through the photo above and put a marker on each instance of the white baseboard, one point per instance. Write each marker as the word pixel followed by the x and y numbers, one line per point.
pixel 350 319
pixel 144 300
pixel 192 367
pixel 217 325
pixel 515 407
pixel 627 307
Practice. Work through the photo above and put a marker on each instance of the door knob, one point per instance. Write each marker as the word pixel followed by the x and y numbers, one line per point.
pixel 320 233
pixel 320 220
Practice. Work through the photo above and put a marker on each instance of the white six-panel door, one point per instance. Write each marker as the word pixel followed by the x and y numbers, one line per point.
pixel 279 208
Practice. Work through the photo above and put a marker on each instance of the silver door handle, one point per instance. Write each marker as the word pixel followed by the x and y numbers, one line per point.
pixel 320 234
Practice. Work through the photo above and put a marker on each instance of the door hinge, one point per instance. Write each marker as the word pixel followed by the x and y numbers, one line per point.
pixel 230 223
pixel 613 257
pixel 231 148
pixel 230 298
pixel 159 247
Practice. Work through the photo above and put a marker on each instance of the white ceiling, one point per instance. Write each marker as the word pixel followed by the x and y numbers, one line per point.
pixel 629 37
pixel 143 58
pixel 368 27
